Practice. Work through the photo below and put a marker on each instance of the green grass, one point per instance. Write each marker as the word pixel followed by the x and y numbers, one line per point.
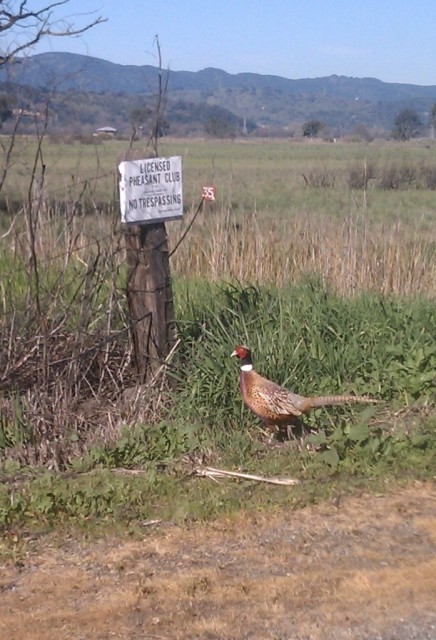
pixel 250 176
pixel 117 500
pixel 308 338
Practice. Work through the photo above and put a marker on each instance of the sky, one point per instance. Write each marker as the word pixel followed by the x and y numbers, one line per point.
pixel 392 40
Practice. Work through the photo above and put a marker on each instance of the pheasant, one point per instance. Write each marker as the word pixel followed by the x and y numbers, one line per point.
pixel 275 405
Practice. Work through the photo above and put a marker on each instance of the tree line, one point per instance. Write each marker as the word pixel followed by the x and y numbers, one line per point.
pixel 407 125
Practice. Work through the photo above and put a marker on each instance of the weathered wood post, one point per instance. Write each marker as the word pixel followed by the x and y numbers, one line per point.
pixel 150 192
pixel 149 296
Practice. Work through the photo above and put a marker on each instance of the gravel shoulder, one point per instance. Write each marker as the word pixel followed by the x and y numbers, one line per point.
pixel 357 567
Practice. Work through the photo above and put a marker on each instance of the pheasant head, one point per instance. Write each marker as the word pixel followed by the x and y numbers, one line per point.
pixel 244 355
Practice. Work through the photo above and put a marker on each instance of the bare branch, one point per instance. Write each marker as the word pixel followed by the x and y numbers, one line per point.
pixel 161 101
pixel 26 27
pixel 8 151
pixel 210 472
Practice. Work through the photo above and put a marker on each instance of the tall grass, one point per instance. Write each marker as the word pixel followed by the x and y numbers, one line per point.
pixel 349 255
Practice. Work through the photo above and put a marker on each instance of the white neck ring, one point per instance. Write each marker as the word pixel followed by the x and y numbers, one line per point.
pixel 247 367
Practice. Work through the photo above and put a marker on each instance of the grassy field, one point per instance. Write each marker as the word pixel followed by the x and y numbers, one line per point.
pixel 361 216
pixel 321 256
pixel 265 177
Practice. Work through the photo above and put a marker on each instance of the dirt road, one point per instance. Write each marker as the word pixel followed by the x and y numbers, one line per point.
pixel 356 568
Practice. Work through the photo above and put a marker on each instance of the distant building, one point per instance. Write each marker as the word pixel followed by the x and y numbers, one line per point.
pixel 26 113
pixel 105 131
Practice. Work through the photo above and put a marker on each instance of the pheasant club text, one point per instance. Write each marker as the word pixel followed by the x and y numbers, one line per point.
pixel 154 178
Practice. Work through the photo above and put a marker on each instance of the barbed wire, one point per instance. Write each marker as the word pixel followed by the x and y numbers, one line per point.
pixel 51 259
pixel 115 233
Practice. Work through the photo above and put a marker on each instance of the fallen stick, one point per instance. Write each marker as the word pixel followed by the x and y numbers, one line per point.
pixel 210 472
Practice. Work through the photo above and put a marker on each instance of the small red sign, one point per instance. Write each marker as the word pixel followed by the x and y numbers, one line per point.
pixel 208 193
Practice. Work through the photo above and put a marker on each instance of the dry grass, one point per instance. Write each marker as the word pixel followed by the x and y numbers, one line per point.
pixel 349 255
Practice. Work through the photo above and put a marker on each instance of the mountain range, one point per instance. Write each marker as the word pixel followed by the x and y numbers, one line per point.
pixel 266 101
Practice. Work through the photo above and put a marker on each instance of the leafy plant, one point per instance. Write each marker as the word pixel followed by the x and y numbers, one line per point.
pixel 360 447
pixel 142 444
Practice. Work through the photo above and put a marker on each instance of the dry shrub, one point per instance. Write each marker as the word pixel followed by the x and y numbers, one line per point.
pixel 428 176
pixel 393 176
pixel 359 175
pixel 61 138
pixel 66 358
pixel 319 178
pixel 58 390
pixel 397 176
pixel 63 395
pixel 91 139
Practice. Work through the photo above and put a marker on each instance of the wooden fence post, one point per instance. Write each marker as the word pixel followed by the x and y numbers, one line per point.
pixel 149 295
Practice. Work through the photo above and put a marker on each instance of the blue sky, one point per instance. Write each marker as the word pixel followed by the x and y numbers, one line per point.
pixel 393 40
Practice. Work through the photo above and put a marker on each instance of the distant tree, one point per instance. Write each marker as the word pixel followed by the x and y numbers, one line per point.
pixel 139 117
pixel 163 128
pixel 142 120
pixel 219 127
pixel 312 128
pixel 5 109
pixel 249 125
pixel 407 124
pixel 361 131
pixel 22 26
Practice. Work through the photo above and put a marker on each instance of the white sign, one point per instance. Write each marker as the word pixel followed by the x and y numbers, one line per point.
pixel 151 190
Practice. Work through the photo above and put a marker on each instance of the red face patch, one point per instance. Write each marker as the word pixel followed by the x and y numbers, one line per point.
pixel 240 352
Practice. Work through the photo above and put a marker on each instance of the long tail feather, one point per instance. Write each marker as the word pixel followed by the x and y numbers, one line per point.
pixel 322 401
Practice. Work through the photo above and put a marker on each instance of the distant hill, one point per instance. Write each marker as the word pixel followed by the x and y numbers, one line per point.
pixel 266 100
